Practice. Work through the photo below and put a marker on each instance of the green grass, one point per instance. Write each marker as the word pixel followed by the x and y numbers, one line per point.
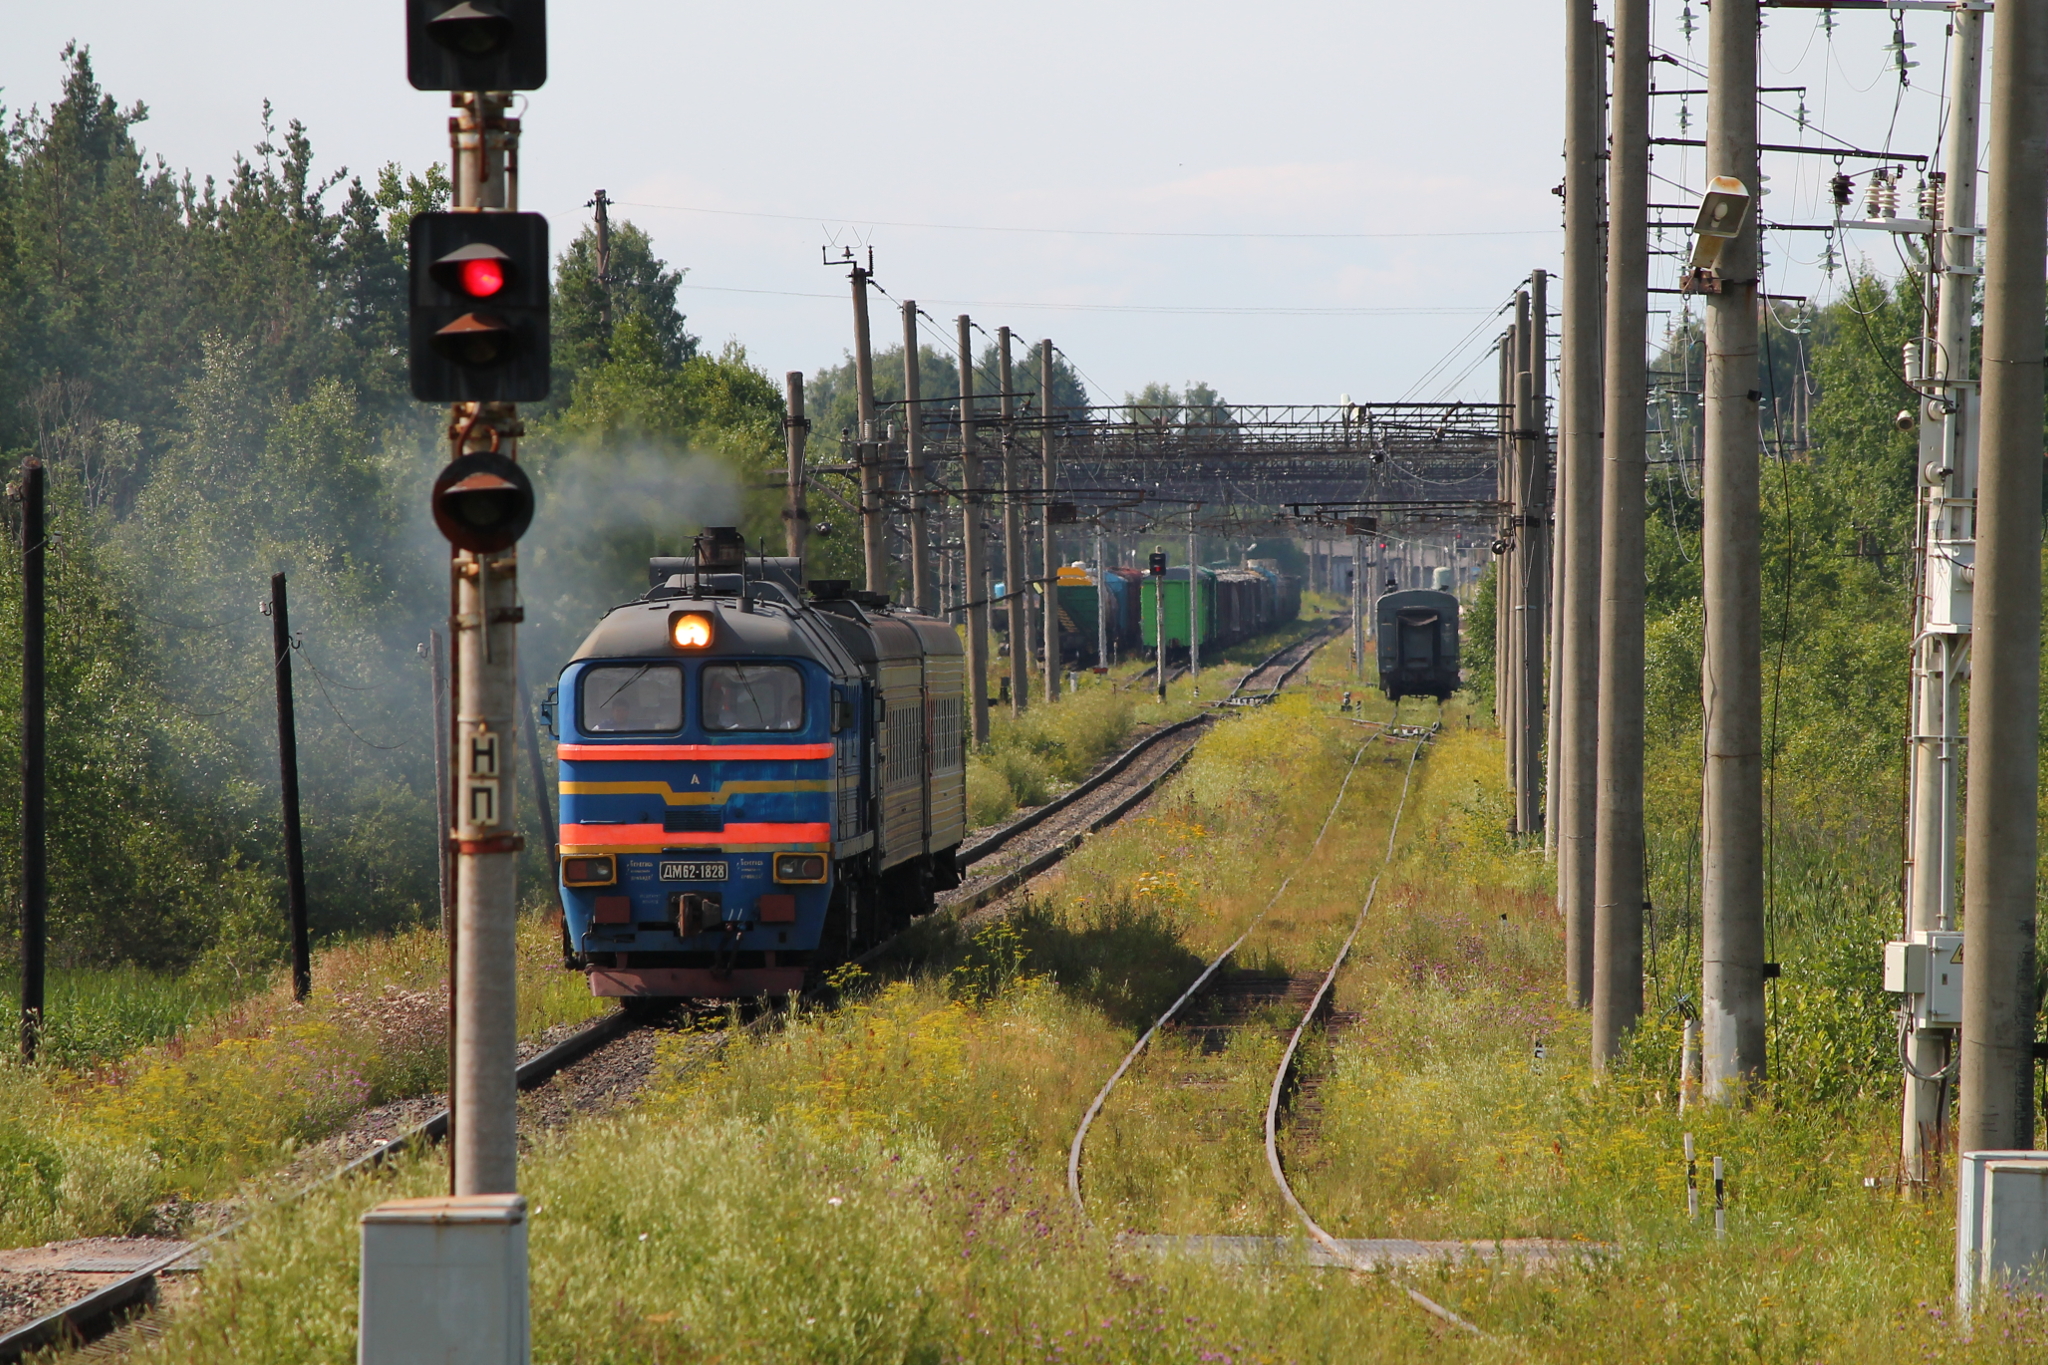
pixel 199 1104
pixel 936 1103
pixel 97 1014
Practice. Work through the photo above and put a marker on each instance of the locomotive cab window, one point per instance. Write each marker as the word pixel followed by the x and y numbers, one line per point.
pixel 753 697
pixel 632 699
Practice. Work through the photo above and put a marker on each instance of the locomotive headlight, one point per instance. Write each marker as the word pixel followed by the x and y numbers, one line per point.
pixel 799 867
pixel 690 630
pixel 589 871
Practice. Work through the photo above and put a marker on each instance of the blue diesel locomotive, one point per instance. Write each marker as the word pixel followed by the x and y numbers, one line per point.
pixel 756 781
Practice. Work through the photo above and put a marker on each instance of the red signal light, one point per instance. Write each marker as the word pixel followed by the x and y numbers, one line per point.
pixel 482 278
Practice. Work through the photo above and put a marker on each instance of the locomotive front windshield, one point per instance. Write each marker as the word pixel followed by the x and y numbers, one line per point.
pixel 753 697
pixel 635 699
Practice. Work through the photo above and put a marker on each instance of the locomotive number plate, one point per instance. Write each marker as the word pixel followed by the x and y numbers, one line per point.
pixel 695 872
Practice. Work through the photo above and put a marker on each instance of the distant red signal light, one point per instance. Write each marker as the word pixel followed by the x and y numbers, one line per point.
pixel 482 278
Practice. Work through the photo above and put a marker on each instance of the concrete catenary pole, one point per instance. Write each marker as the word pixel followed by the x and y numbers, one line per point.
pixel 923 595
pixel 1576 676
pixel 486 644
pixel 1532 513
pixel 2000 834
pixel 1731 826
pixel 1194 609
pixel 973 545
pixel 1016 564
pixel 874 552
pixel 1361 595
pixel 1049 613
pixel 1159 629
pixel 796 428
pixel 1102 601
pixel 1616 855
pixel 35 874
pixel 1506 638
pixel 1948 445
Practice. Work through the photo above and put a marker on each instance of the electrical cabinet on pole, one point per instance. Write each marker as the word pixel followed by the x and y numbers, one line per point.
pixel 973 541
pixel 1946 550
pixel 1049 613
pixel 1575 711
pixel 1731 826
pixel 922 595
pixel 2000 834
pixel 1616 852
pixel 1016 564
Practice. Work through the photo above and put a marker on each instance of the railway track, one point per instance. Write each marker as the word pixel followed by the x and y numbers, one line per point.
pixel 1218 1002
pixel 1004 861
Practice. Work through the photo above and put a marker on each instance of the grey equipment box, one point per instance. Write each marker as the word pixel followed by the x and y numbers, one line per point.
pixel 444 1282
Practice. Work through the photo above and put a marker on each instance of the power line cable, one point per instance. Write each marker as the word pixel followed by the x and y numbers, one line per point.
pixel 1083 232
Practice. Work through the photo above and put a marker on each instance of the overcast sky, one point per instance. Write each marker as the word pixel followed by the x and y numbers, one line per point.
pixel 1063 145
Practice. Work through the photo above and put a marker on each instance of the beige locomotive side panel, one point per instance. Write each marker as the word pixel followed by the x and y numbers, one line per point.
pixel 902 761
pixel 945 678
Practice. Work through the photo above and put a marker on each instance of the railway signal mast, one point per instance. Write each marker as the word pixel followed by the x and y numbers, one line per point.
pixel 479 340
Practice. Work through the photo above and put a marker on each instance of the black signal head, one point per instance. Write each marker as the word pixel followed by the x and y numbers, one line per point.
pixel 476 44
pixel 483 503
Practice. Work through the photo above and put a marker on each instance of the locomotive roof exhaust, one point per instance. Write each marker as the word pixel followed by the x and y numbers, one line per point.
pixel 721 549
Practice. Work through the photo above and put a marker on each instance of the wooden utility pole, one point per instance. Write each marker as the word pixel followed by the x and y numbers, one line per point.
pixel 1016 564
pixel 868 449
pixel 35 868
pixel 1048 476
pixel 288 780
pixel 796 428
pixel 602 230
pixel 973 544
pixel 1617 845
pixel 2000 833
pixel 923 595
pixel 1732 882
pixel 1576 675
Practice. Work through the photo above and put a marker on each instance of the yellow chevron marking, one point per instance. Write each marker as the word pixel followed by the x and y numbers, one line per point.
pixel 705 798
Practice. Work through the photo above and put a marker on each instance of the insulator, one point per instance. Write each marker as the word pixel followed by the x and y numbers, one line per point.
pixel 1912 352
pixel 1841 187
pixel 1873 196
pixel 1934 197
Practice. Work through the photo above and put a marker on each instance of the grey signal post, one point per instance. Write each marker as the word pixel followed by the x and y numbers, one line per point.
pixel 1575 711
pixel 1731 828
pixel 486 642
pixel 2000 835
pixel 1616 853
pixel 973 547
